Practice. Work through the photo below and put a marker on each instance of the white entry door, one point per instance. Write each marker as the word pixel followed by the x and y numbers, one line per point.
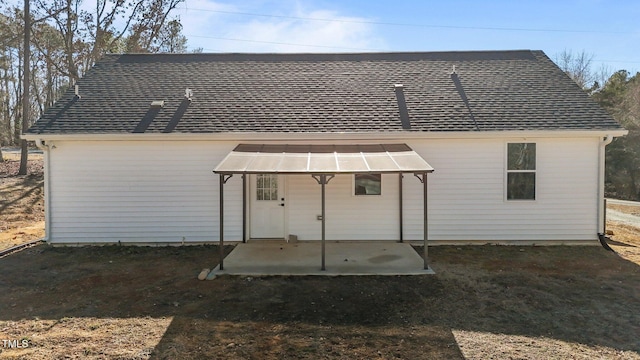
pixel 267 206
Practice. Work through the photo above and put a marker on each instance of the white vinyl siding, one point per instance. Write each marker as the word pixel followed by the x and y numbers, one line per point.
pixel 140 192
pixel 466 192
pixel 165 191
pixel 348 217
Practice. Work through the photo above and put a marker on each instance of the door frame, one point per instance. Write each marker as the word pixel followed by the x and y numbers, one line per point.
pixel 282 184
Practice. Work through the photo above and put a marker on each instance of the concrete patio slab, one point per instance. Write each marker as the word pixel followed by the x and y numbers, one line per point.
pixel 304 258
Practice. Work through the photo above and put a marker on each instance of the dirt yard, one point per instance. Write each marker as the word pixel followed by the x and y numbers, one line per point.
pixel 626 236
pixel 485 302
pixel 21 201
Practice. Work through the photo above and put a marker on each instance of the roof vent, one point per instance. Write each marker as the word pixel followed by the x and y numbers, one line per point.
pixel 402 107
pixel 77 88
pixel 453 71
pixel 157 103
pixel 464 98
pixel 188 93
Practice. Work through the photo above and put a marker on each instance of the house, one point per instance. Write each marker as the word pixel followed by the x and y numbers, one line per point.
pixel 190 148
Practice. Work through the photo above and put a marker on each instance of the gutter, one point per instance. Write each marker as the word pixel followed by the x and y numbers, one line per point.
pixel 332 136
pixel 601 204
pixel 46 148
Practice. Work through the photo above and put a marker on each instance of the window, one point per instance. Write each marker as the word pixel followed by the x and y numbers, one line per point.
pixel 521 171
pixel 367 184
pixel 267 187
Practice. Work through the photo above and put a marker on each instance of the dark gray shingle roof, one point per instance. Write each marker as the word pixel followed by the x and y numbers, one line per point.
pixel 491 90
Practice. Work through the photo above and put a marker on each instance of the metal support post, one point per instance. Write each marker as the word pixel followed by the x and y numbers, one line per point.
pixel 426 222
pixel 323 180
pixel 221 245
pixel 400 176
pixel 425 240
pixel 223 179
pixel 244 208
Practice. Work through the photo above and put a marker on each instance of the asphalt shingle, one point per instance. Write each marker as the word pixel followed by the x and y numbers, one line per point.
pixel 504 90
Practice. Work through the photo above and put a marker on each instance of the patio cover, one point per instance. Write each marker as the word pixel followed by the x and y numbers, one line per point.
pixel 322 159
pixel 322 162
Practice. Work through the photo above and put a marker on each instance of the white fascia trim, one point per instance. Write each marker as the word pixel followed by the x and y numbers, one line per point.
pixel 261 136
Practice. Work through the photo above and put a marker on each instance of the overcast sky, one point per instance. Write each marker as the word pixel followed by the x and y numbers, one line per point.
pixel 609 30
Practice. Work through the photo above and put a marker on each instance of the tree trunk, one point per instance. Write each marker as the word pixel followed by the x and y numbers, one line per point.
pixel 4 120
pixel 25 93
pixel 7 111
pixel 634 194
pixel 17 108
pixel 50 97
pixel 71 66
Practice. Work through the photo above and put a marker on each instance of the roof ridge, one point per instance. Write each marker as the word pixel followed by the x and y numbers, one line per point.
pixel 452 56
pixel 326 53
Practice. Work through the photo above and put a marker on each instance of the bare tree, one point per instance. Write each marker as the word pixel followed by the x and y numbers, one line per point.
pixel 11 30
pixel 25 93
pixel 171 39
pixel 64 14
pixel 601 75
pixel 87 35
pixel 62 42
pixel 578 67
pixel 145 33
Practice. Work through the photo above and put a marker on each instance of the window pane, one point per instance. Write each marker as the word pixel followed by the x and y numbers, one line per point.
pixel 368 184
pixel 266 187
pixel 521 186
pixel 522 156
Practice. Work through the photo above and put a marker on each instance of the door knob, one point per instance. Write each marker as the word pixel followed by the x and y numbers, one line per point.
pixel 281 204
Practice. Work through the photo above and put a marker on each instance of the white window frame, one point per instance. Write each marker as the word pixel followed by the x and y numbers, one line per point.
pixel 507 172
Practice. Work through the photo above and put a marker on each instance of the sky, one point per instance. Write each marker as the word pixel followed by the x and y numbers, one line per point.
pixel 609 31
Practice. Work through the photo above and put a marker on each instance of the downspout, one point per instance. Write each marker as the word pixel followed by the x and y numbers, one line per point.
pixel 601 174
pixel 42 145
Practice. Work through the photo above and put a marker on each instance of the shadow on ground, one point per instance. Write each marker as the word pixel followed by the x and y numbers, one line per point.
pixel 581 295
